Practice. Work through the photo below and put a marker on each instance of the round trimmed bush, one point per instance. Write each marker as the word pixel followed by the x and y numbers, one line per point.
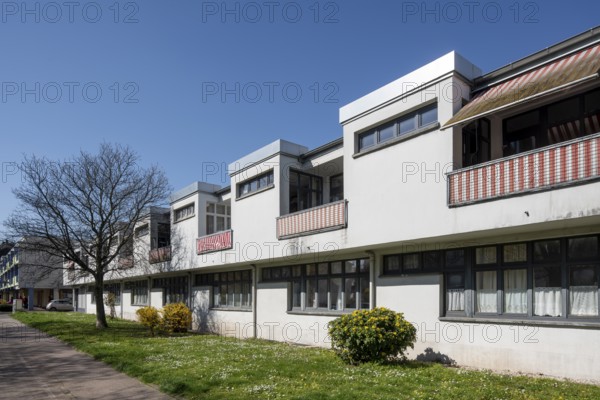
pixel 375 335
pixel 176 317
pixel 149 317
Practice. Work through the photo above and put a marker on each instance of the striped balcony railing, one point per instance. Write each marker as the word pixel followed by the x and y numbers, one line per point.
pixel 559 165
pixel 323 218
pixel 214 242
pixel 160 255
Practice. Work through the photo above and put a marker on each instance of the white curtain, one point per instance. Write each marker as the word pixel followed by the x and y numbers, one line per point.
pixel 584 300
pixel 515 291
pixel 487 297
pixel 547 301
pixel 455 299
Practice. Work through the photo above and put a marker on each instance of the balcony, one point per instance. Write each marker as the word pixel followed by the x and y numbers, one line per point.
pixel 214 242
pixel 568 163
pixel 160 254
pixel 327 217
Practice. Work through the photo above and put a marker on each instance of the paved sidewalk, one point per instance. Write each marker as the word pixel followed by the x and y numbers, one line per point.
pixel 35 366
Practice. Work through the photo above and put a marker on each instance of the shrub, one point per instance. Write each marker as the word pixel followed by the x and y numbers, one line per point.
pixel 371 335
pixel 176 317
pixel 150 318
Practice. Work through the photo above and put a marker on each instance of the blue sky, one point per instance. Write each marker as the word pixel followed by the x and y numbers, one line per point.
pixel 194 83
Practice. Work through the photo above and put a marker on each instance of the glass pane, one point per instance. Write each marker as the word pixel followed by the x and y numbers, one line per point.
pixel 350 292
pixel 238 294
pixel 547 298
pixel 455 292
pixel 296 271
pixel 485 255
pixel 210 224
pixel 276 273
pixel 223 295
pixel 546 251
pixel 322 295
pixel 410 262
pixel 455 258
pixel 246 294
pixel 296 294
pixel 286 272
pixel 583 290
pixel 515 291
pixel 230 295
pixel 210 207
pixel 364 265
pixel 429 116
pixel 323 269
pixel 407 125
pixel 335 293
pixel 432 260
pixel 311 294
pixel 523 121
pixel 311 270
pixel 350 267
pixel 391 264
pixel 487 293
pixel 366 140
pixel 336 267
pixel 583 248
pixel 387 132
pixel 221 209
pixel 365 291
pixel 515 253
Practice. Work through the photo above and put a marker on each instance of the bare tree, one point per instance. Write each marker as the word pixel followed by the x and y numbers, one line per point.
pixel 84 209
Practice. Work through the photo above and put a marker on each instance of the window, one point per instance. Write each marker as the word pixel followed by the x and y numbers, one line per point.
pixel 229 289
pixel 335 286
pixel 336 188
pixel 403 125
pixel 163 235
pixel 476 143
pixel 555 123
pixel 184 212
pixel 139 292
pixel 114 288
pixel 175 289
pixel 257 183
pixel 306 191
pixel 218 217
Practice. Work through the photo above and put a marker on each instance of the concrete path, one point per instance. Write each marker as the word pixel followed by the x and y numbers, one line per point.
pixel 35 366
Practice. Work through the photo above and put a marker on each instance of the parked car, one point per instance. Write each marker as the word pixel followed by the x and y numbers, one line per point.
pixel 60 305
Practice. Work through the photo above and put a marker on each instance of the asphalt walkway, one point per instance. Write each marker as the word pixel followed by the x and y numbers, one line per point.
pixel 36 366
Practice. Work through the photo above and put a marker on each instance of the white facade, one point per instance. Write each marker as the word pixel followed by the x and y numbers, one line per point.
pixel 466 223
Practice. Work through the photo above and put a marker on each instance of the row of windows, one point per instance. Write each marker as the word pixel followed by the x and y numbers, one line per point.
pixel 401 126
pixel 252 185
pixel 139 292
pixel 184 212
pixel 175 289
pixel 554 278
pixel 334 286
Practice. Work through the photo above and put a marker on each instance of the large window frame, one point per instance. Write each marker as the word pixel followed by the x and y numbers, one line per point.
pixel 218 217
pixel 229 290
pixel 335 287
pixel 548 125
pixel 139 292
pixel 175 289
pixel 404 125
pixel 114 288
pixel 305 191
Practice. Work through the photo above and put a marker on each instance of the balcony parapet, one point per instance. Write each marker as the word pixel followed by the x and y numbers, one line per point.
pixel 318 219
pixel 214 242
pixel 564 164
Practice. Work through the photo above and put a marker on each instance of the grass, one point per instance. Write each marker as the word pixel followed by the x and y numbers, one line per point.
pixel 212 367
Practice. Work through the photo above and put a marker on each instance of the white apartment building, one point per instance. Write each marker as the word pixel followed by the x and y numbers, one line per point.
pixel 470 202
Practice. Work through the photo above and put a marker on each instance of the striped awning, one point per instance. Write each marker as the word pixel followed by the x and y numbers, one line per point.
pixel 574 69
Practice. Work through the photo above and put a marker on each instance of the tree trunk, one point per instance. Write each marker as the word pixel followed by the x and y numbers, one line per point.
pixel 100 314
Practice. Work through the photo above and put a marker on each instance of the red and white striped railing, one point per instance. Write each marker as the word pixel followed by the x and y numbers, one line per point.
pixel 562 164
pixel 160 255
pixel 215 242
pixel 326 217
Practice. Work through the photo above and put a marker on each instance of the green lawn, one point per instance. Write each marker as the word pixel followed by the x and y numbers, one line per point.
pixel 214 367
